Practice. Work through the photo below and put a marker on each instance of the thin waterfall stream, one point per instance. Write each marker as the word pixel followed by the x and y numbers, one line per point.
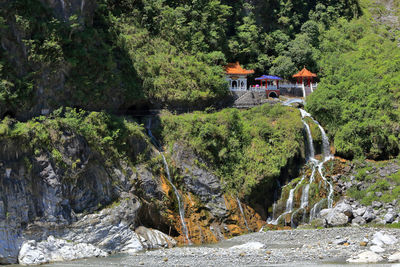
pixel 181 206
pixel 241 211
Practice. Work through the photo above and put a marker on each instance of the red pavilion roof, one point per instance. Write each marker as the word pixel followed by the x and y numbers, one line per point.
pixel 305 73
pixel 235 68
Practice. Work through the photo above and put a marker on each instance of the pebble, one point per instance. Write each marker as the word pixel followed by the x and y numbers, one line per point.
pixel 277 249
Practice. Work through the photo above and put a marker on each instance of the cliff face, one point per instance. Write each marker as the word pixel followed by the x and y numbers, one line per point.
pixel 57 53
pixel 66 192
pixel 64 9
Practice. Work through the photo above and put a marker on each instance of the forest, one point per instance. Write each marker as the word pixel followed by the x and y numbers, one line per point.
pixel 171 54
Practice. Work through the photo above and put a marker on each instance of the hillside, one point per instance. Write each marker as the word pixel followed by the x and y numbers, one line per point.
pixel 119 55
pixel 116 135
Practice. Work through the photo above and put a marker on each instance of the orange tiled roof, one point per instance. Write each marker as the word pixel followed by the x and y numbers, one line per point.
pixel 235 68
pixel 305 73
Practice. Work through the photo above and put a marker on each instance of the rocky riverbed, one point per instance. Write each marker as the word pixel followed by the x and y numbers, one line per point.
pixel 335 246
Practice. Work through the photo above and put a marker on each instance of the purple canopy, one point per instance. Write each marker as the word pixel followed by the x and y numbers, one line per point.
pixel 268 77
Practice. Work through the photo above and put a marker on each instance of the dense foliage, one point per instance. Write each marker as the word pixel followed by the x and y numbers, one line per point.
pixel 112 137
pixel 357 100
pixel 244 148
pixel 165 51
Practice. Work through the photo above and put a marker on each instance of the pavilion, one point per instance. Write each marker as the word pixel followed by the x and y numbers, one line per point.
pixel 237 76
pixel 305 75
pixel 272 91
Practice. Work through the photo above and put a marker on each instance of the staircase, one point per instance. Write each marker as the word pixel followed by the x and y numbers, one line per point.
pixel 248 99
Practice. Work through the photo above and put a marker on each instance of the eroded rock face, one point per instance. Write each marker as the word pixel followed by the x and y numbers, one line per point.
pixel 85 204
pixel 200 182
pixel 38 196
pixel 64 9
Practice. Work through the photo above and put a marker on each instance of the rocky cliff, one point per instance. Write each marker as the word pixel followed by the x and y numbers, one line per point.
pixel 61 192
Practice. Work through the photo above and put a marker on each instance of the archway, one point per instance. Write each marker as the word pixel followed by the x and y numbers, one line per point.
pixel 273 95
pixel 234 84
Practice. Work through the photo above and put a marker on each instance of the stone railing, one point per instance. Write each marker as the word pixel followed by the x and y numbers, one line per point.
pixel 271 87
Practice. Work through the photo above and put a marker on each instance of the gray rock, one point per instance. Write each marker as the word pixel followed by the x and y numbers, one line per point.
pixel 369 215
pixel 366 257
pixel 344 208
pixel 337 219
pixel 333 217
pixel 378 221
pixel 378 194
pixel 389 217
pixel 200 181
pixel 394 257
pixel 381 239
pixel 53 249
pixel 376 204
pixel 359 211
pixel 358 220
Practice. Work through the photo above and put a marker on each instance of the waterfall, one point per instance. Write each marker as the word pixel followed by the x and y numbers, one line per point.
pixel 8 173
pixel 177 195
pixel 241 211
pixel 316 209
pixel 63 5
pixel 304 196
pixel 304 90
pixel 82 5
pixel 274 211
pixel 316 165
pixel 289 202
pixel 330 194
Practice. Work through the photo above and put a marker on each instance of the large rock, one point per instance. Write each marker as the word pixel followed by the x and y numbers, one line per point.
pixel 369 215
pixel 381 239
pixel 53 249
pixel 334 218
pixel 394 257
pixel 344 208
pixel 366 257
pixel 390 217
pixel 111 230
pixel 200 181
pixel 358 221
pixel 359 212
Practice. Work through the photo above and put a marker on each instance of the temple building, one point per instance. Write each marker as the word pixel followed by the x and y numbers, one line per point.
pixel 305 76
pixel 237 76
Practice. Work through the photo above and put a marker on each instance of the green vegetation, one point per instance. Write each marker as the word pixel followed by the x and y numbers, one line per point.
pixel 383 189
pixel 357 98
pixel 108 135
pixel 165 51
pixel 244 148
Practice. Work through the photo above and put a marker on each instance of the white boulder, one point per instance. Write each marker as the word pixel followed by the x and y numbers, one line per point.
pixel 52 250
pixel 395 257
pixel 249 246
pixel 366 257
pixel 381 238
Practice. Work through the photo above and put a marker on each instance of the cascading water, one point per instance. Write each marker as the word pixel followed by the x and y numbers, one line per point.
pixel 316 165
pixel 82 5
pixel 289 202
pixel 177 195
pixel 241 211
pixel 8 173
pixel 304 196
